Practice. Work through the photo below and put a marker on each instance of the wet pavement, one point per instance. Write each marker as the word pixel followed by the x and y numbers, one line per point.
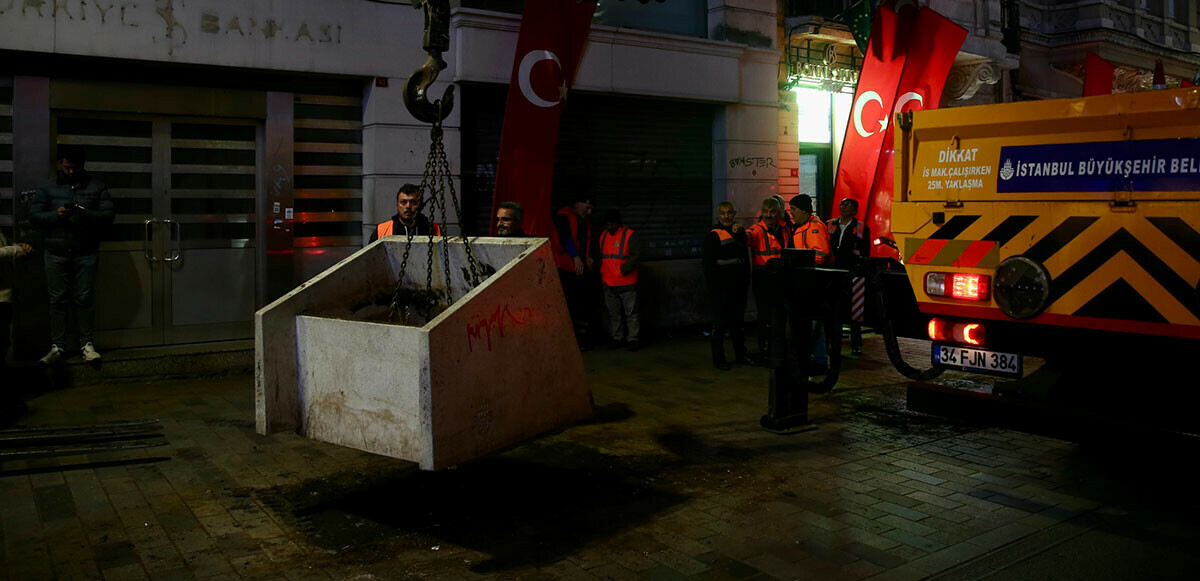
pixel 672 479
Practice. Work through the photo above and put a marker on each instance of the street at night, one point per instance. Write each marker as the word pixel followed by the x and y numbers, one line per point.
pixel 673 478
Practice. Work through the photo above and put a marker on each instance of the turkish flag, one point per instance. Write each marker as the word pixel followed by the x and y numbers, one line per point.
pixel 873 102
pixel 549 46
pixel 1097 76
pixel 931 53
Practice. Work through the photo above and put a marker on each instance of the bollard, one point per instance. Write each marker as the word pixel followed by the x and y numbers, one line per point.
pixel 800 293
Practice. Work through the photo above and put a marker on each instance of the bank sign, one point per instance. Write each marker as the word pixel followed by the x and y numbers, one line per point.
pixel 1153 165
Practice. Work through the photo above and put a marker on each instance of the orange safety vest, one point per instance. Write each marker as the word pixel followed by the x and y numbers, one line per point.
pixel 725 239
pixel 561 258
pixel 763 246
pixel 385 229
pixel 813 234
pixel 614 251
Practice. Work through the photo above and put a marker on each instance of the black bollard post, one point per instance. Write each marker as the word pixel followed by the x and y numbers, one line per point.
pixel 787 407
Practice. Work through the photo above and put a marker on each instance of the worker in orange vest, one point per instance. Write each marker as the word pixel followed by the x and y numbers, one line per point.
pixel 571 243
pixel 812 233
pixel 408 219
pixel 767 238
pixel 619 253
pixel 726 265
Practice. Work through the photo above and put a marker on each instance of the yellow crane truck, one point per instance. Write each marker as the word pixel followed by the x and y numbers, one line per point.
pixel 1063 229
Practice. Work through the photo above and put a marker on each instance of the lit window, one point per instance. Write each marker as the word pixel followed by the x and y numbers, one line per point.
pixel 813 115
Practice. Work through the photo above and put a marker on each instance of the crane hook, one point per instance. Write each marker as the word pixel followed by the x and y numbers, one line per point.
pixel 436 41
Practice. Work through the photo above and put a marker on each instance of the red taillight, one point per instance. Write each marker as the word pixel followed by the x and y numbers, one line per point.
pixel 972 334
pixel 957 285
pixel 956 331
pixel 972 287
pixel 937 329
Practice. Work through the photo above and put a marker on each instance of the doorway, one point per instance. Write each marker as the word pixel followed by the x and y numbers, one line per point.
pixel 816 175
pixel 179 265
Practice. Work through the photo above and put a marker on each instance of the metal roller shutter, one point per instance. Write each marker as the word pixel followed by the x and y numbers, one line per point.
pixel 6 181
pixel 328 161
pixel 651 159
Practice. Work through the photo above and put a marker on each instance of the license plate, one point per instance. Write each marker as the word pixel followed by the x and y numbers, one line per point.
pixel 977 360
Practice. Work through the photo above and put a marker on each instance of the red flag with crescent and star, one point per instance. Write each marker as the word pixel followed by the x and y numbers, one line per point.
pixel 549 46
pixel 874 99
pixel 931 53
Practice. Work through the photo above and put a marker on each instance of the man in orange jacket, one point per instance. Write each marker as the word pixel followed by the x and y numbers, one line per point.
pixel 812 233
pixel 766 239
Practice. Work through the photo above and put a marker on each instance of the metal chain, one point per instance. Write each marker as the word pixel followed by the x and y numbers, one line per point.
pixel 428 180
pixel 435 180
pixel 473 265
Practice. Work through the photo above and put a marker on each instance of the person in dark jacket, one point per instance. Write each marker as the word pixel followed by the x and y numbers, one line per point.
pixel 73 212
pixel 726 263
pixel 851 242
pixel 408 218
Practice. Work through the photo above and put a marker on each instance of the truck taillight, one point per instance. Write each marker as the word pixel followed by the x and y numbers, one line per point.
pixel 957 285
pixel 965 332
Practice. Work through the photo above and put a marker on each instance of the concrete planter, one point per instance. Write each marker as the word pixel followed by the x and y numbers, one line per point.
pixel 498 366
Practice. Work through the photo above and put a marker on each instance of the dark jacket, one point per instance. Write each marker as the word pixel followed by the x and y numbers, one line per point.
pixel 843 250
pixel 421 227
pixel 77 232
pixel 725 272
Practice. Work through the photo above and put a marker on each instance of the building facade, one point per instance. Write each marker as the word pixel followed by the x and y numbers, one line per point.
pixel 819 75
pixel 251 144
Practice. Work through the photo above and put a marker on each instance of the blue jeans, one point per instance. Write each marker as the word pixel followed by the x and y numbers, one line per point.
pixel 70 279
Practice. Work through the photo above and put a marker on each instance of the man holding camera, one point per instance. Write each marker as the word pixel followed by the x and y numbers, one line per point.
pixel 72 212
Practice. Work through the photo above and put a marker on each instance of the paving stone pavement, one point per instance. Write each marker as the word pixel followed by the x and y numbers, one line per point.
pixel 673 479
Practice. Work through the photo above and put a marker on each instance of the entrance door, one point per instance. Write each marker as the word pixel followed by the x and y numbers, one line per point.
pixel 179 265
pixel 816 176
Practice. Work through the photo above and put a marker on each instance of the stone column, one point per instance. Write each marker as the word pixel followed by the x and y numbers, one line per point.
pixel 395 149
pixel 746 133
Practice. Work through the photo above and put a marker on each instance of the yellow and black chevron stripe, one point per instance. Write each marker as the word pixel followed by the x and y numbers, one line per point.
pixel 1136 267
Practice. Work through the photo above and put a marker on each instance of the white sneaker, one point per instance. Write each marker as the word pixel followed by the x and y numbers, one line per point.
pixel 89 352
pixel 54 356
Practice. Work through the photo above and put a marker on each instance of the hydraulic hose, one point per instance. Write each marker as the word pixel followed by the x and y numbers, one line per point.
pixel 833 345
pixel 883 324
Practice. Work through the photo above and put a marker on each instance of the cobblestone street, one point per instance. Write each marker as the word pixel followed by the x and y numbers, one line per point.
pixel 672 479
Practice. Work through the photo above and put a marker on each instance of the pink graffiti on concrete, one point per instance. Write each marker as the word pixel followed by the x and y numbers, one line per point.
pixel 484 324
